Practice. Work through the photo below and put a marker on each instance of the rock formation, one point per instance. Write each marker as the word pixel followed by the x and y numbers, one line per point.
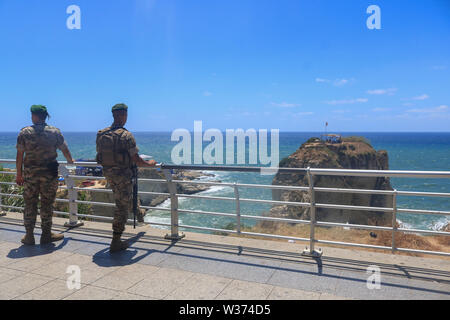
pixel 351 153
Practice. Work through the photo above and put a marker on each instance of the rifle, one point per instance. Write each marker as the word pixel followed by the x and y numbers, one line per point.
pixel 135 194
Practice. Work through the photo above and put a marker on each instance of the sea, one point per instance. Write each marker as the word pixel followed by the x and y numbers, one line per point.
pixel 406 150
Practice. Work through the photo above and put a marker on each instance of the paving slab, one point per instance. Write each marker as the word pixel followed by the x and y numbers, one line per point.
pixel 92 293
pixel 125 277
pixel 21 285
pixel 8 274
pixel 161 283
pixel 58 269
pixel 244 290
pixel 53 290
pixel 280 293
pixel 200 287
pixel 305 277
pixel 32 263
pixel 128 296
pixel 354 285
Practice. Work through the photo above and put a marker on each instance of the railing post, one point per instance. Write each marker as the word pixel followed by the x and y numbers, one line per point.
pixel 238 209
pixel 73 197
pixel 1 208
pixel 394 219
pixel 312 210
pixel 173 208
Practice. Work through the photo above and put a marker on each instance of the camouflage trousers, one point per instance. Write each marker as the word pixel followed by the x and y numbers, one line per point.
pixel 45 185
pixel 120 181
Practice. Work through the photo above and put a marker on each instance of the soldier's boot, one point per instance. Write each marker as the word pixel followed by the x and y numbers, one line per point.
pixel 28 238
pixel 48 236
pixel 117 244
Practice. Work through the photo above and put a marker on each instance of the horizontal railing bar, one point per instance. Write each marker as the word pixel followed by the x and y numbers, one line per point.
pixel 274 236
pixel 180 195
pixel 289 203
pixel 8 172
pixel 262 218
pixel 103 204
pixel 438 253
pixel 353 244
pixel 152 180
pixel 243 185
pixel 212 213
pixel 11 161
pixel 424 194
pixel 347 207
pixel 85 177
pixel 155 208
pixel 382 247
pixel 275 187
pixel 9 183
pixel 314 171
pixel 11 207
pixel 353 226
pixel 418 211
pixel 206 228
pixel 437 233
pixel 153 193
pixel 91 189
pixel 363 191
pixel 381 173
pixel 209 183
pixel 232 168
pixel 11 195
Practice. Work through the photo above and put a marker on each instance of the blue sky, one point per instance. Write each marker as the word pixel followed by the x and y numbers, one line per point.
pixel 288 65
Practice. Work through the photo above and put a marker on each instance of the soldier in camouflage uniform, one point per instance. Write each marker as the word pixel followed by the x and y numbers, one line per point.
pixel 118 154
pixel 38 172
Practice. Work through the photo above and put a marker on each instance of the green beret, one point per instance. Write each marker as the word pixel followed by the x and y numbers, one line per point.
pixel 37 108
pixel 120 106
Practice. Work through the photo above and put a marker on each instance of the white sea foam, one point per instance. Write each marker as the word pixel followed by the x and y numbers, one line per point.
pixel 440 224
pixel 404 225
pixel 214 189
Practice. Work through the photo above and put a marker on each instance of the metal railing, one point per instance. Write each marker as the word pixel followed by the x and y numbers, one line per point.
pixel 312 205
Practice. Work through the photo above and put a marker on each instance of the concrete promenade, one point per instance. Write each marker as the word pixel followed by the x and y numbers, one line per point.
pixel 203 267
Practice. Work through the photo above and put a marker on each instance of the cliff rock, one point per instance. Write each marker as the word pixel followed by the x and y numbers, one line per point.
pixel 351 153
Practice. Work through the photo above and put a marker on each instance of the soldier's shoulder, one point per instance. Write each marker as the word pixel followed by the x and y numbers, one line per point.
pixel 127 133
pixel 27 129
pixel 103 130
pixel 53 130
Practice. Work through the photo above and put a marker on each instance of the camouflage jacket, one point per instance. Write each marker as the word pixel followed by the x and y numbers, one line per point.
pixel 40 142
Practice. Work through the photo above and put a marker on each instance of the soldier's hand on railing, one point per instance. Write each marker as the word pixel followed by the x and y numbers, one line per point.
pixel 152 163
pixel 19 179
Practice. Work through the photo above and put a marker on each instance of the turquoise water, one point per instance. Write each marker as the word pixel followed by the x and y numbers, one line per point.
pixel 407 151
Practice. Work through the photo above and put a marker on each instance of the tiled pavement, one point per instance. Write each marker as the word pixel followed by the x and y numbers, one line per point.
pixel 203 267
